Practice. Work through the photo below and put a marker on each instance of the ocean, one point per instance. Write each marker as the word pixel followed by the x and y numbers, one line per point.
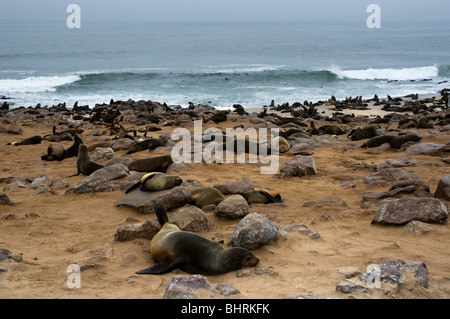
pixel 219 64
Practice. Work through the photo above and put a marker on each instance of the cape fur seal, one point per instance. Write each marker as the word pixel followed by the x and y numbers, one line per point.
pixel 153 164
pixel 149 144
pixel 217 117
pixel 394 141
pixel 261 196
pixel 361 133
pixel 72 151
pixel 85 164
pixel 156 181
pixel 28 141
pixel 55 152
pixel 204 195
pixel 173 248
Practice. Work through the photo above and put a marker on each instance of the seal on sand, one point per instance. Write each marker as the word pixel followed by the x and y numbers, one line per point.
pixel 394 141
pixel 153 164
pixel 261 196
pixel 149 144
pixel 173 248
pixel 156 181
pixel 204 195
pixel 55 152
pixel 85 164
pixel 28 141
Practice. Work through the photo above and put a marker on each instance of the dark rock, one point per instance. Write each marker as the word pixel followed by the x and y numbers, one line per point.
pixel 227 290
pixel 322 218
pixel 142 201
pixel 4 200
pixel 391 193
pixel 253 232
pixel 443 188
pixel 7 254
pixel 403 210
pixel 301 166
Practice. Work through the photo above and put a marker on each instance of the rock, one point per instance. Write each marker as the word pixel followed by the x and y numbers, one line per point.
pixel 145 230
pixel 116 160
pixel 383 176
pixel 238 186
pixel 4 200
pixel 443 188
pixel 424 149
pixel 7 254
pixel 94 182
pixel 41 182
pixel 388 277
pixel 189 287
pixel 253 232
pixel 178 167
pixel 301 166
pixel 418 228
pixel 322 218
pixel 14 129
pixel 59 184
pixel 391 193
pixel 303 230
pixel 142 201
pixel 16 183
pixel 42 190
pixel 402 162
pixel 227 290
pixel 232 207
pixel 102 153
pixel 122 144
pixel 403 210
pixel 191 218
pixel 349 272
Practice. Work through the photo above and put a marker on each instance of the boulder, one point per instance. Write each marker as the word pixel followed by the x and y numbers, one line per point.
pixel 95 181
pixel 403 210
pixel 418 228
pixel 301 166
pixel 232 207
pixel 253 232
pixel 191 218
pixel 424 149
pixel 189 287
pixel 102 153
pixel 142 201
pixel 443 188
pixel 145 230
pixel 4 200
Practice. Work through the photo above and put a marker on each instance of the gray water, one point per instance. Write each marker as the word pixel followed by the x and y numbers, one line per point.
pixel 219 64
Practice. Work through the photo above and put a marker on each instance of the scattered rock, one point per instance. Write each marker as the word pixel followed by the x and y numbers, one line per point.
pixel 142 201
pixel 350 272
pixel 391 193
pixel 5 253
pixel 4 200
pixel 122 144
pixel 227 290
pixel 94 182
pixel 402 162
pixel 418 228
pixel 443 188
pixel 403 210
pixel 424 149
pixel 14 129
pixel 43 181
pixel 189 287
pixel 303 230
pixel 301 166
pixel 179 167
pixel 253 232
pixel 191 218
pixel 232 207
pixel 239 186
pixel 145 230
pixel 59 184
pixel 322 218
pixel 327 202
pixel 102 153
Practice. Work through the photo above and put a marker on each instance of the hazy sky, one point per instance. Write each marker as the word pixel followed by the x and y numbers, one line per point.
pixel 225 10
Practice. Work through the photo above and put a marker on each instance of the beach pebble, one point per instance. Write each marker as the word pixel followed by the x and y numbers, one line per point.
pixel 189 287
pixel 403 210
pixel 232 207
pixel 94 182
pixel 443 188
pixel 253 232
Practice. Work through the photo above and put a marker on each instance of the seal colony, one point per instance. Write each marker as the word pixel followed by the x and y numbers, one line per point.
pixel 341 140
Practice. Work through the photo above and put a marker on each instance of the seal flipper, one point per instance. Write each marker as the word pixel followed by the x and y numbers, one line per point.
pixel 162 267
pixel 133 187
pixel 160 213
pixel 272 199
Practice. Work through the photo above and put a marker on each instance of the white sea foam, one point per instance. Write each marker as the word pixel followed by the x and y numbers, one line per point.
pixel 404 74
pixel 242 68
pixel 35 84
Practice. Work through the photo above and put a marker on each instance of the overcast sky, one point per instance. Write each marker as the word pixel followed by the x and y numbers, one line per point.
pixel 225 10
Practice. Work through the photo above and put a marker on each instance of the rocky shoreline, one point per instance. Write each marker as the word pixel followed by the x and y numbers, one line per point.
pixel 351 198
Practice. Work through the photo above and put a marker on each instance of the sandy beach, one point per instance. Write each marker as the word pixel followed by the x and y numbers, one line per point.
pixel 54 230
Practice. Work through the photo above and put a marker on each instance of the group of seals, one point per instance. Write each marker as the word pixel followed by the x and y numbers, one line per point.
pixel 56 152
pixel 173 248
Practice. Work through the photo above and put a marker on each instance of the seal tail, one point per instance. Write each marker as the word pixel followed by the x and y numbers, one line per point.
pixel 133 187
pixel 160 213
